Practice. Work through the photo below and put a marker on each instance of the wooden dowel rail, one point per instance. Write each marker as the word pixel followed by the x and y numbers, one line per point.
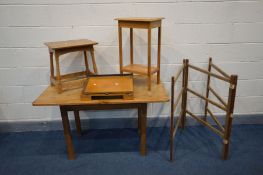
pixel 220 71
pixel 206 124
pixel 178 73
pixel 207 99
pixel 215 119
pixel 223 130
pixel 209 73
pixel 178 98
pixel 207 85
pixel 217 96
pixel 177 124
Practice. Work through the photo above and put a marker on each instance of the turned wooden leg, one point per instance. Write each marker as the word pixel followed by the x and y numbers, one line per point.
pixel 77 122
pixel 143 120
pixel 67 133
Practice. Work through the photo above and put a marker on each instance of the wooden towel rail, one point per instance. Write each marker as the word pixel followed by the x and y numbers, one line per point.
pixel 224 131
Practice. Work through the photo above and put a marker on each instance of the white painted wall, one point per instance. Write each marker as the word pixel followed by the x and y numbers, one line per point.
pixel 229 31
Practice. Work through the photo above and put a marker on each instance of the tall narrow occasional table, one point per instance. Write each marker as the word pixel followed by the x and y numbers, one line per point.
pixel 58 48
pixel 141 23
pixel 71 101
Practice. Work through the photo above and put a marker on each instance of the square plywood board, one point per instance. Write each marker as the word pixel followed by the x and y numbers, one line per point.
pixel 109 85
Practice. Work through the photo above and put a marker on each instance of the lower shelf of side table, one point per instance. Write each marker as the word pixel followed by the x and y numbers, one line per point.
pixel 139 69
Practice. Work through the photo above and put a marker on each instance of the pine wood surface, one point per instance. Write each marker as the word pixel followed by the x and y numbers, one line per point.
pixel 50 97
pixel 143 23
pixel 139 69
pixel 109 84
pixel 140 19
pixel 69 44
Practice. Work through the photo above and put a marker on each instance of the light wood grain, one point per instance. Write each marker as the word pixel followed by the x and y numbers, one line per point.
pixel 93 61
pixel 109 84
pixel 69 44
pixel 225 130
pixel 139 69
pixel 50 97
pixel 143 23
pixel 209 73
pixel 140 19
pixel 63 47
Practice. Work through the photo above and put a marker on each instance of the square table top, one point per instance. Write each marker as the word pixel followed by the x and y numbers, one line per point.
pixel 140 19
pixel 69 44
pixel 50 96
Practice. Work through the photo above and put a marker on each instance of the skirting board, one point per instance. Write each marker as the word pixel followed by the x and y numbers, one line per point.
pixel 106 123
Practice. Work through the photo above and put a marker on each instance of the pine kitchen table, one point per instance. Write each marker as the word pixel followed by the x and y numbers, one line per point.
pixel 71 101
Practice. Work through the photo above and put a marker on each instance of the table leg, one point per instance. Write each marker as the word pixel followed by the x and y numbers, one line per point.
pixel 77 122
pixel 67 133
pixel 139 120
pixel 143 125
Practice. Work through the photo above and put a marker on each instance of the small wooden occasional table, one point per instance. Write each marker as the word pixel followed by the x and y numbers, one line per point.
pixel 142 23
pixel 71 101
pixel 62 47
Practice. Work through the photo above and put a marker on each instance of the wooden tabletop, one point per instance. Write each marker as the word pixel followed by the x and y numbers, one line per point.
pixel 69 44
pixel 140 19
pixel 50 97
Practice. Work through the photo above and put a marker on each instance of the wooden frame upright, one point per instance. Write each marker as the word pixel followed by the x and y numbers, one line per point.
pixel 142 23
pixel 224 131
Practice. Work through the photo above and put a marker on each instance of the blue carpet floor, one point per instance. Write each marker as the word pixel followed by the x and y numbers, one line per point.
pixel 115 151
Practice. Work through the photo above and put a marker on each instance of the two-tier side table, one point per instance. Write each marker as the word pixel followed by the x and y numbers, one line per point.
pixel 142 23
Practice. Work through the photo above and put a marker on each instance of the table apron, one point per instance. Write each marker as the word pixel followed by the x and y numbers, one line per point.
pixel 102 106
